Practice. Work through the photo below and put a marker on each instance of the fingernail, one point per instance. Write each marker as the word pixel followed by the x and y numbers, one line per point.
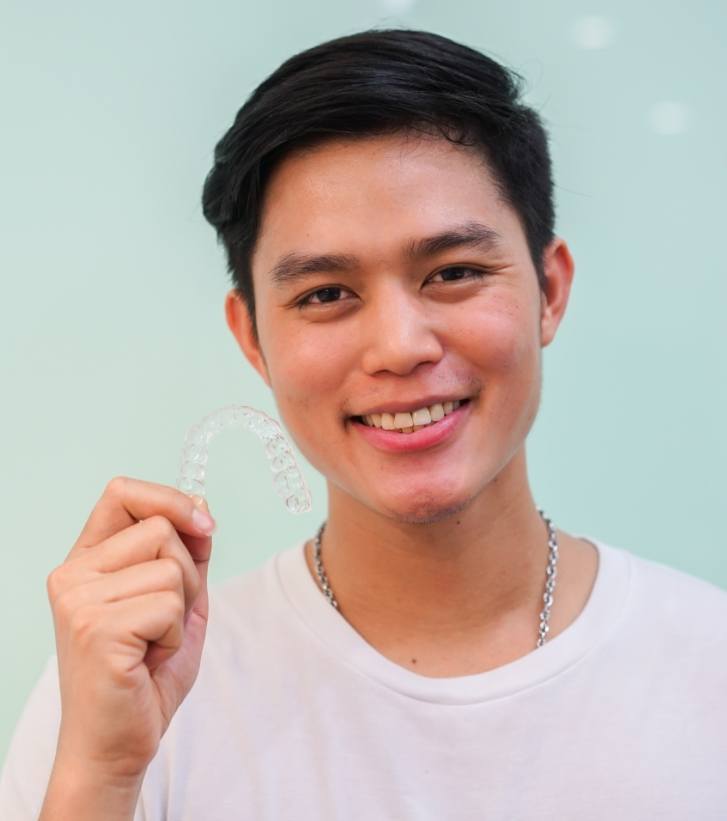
pixel 203 521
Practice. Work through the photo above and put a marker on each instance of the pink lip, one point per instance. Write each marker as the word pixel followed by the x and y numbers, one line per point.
pixel 427 437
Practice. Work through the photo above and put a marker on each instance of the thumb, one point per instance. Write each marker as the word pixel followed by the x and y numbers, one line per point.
pixel 200 502
pixel 200 548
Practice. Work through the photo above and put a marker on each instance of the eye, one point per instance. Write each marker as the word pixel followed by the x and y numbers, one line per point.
pixel 306 300
pixel 476 273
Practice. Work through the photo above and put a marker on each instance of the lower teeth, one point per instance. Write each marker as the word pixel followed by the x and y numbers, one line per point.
pixel 403 430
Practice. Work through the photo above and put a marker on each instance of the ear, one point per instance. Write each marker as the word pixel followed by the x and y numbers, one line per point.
pixel 240 323
pixel 559 268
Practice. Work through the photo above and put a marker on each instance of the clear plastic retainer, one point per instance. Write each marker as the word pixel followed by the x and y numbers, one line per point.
pixel 287 478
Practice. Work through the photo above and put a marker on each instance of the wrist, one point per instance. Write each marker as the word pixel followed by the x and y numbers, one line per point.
pixel 79 790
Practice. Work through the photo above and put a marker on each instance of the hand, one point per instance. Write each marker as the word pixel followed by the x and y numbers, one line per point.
pixel 130 610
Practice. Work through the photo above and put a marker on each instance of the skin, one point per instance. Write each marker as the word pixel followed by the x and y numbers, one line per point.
pixel 437 557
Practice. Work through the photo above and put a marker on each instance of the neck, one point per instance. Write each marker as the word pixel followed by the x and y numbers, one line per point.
pixel 470 574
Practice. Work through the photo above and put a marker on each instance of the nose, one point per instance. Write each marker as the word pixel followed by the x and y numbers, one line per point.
pixel 398 332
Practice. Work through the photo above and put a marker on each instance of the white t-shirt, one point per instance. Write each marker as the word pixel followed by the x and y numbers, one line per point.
pixel 294 715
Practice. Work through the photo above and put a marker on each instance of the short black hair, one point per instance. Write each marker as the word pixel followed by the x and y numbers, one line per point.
pixel 372 83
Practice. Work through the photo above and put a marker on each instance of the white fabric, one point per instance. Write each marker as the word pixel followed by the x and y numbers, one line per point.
pixel 294 716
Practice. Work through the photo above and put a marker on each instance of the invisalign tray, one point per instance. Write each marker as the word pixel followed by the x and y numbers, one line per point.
pixel 287 480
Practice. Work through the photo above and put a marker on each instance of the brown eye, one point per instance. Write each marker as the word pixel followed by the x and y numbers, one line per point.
pixel 306 300
pixel 476 272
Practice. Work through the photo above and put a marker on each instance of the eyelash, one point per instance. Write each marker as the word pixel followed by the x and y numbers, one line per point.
pixel 305 301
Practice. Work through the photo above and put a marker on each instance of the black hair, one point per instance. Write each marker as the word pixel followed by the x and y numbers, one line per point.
pixel 372 83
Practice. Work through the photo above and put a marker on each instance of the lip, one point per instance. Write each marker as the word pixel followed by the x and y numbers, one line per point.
pixel 426 437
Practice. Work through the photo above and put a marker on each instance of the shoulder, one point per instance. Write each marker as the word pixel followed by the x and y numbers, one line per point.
pixel 674 603
pixel 677 588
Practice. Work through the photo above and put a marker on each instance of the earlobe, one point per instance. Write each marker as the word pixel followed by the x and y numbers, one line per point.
pixel 559 268
pixel 240 323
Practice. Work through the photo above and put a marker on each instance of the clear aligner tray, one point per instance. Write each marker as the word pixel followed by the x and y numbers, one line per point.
pixel 288 481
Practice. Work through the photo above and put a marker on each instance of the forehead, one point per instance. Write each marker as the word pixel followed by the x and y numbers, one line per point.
pixel 370 196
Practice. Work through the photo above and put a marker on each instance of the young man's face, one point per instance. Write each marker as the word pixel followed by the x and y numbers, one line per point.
pixel 393 328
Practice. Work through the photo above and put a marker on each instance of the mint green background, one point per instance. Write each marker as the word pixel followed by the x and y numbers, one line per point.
pixel 113 334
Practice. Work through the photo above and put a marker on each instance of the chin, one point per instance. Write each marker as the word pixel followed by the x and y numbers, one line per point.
pixel 425 511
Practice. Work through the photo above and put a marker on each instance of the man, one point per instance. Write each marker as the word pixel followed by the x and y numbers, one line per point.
pixel 438 649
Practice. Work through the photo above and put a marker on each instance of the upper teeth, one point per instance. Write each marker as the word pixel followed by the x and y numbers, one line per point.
pixel 421 416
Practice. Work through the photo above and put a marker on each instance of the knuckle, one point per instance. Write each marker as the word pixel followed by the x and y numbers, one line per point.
pixel 63 607
pixel 116 486
pixel 173 574
pixel 83 624
pixel 160 527
pixel 54 583
pixel 72 600
pixel 60 582
pixel 174 604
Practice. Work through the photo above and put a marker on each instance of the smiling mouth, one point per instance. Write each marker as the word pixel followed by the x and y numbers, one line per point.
pixel 405 422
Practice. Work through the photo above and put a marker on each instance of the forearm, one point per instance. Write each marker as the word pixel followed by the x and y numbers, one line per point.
pixel 75 793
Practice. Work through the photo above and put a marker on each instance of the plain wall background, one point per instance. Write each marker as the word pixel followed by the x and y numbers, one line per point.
pixel 113 334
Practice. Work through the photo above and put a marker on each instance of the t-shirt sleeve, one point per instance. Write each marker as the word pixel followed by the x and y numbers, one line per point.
pixel 29 761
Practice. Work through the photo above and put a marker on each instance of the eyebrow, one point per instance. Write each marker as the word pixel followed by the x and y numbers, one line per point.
pixel 294 266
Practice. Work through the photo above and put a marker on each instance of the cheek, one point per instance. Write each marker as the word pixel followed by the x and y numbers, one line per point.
pixel 305 370
pixel 503 339
pixel 306 374
pixel 509 353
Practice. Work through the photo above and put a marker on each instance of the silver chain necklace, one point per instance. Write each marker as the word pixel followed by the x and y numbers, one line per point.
pixel 551 572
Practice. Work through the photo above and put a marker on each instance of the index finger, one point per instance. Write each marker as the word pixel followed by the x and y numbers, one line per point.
pixel 126 501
